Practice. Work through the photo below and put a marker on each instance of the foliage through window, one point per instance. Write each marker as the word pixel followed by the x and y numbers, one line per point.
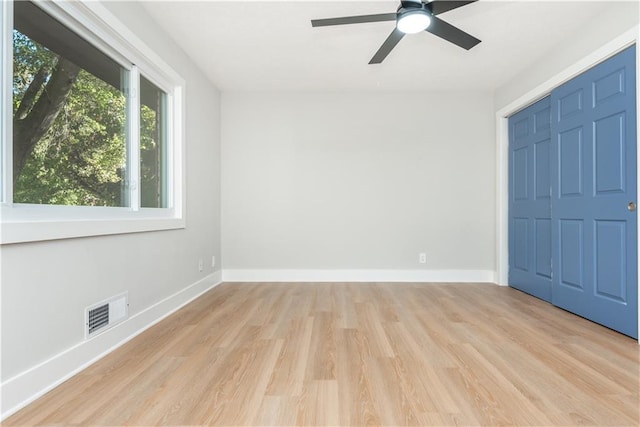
pixel 71 121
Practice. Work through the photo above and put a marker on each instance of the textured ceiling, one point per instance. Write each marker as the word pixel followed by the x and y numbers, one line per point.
pixel 266 46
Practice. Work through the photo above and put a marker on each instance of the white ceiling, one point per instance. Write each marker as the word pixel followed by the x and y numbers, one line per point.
pixel 267 46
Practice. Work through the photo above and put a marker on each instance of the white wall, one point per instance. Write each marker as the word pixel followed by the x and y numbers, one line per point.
pixel 46 286
pixel 357 182
pixel 620 17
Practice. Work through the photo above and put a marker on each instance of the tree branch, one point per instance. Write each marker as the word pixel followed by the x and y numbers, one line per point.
pixel 29 97
pixel 28 130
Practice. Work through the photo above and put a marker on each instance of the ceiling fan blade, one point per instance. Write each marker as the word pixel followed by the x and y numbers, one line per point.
pixel 354 19
pixel 388 45
pixel 451 34
pixel 441 6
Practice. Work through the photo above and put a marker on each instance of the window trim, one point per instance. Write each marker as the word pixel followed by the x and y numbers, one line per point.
pixel 97 25
pixel 6 92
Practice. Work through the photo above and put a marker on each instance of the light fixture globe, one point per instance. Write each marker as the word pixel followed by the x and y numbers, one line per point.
pixel 411 21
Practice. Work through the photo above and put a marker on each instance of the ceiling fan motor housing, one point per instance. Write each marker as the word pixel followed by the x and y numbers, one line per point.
pixel 412 6
pixel 410 3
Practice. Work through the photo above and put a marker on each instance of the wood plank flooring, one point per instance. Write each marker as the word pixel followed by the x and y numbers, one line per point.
pixel 357 354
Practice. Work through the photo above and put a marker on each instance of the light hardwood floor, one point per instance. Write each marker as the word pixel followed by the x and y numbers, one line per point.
pixel 357 354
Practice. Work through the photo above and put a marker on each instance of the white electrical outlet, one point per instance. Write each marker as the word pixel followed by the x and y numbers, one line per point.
pixel 422 258
pixel 213 261
pixel 200 265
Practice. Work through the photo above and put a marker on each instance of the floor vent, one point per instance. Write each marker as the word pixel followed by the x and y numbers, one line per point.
pixel 100 317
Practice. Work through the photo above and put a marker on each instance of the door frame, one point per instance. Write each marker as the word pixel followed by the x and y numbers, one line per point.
pixel 614 46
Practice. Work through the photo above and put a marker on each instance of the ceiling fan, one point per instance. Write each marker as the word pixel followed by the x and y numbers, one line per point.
pixel 412 16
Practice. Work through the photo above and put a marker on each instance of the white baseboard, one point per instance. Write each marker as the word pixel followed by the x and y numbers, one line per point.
pixel 438 276
pixel 24 388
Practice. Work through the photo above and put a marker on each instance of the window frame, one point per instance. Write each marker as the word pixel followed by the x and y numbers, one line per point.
pixel 31 222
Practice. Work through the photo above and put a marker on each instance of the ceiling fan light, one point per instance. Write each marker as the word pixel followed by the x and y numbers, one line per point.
pixel 413 21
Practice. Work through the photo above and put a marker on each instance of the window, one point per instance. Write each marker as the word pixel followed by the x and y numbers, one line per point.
pixel 69 116
pixel 94 122
pixel 153 133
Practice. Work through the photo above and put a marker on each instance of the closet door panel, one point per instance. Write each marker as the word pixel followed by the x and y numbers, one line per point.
pixel 594 222
pixel 529 200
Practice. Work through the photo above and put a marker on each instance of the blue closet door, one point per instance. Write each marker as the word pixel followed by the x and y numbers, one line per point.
pixel 593 183
pixel 529 200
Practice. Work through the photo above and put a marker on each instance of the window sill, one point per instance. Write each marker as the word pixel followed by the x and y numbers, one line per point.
pixel 24 223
